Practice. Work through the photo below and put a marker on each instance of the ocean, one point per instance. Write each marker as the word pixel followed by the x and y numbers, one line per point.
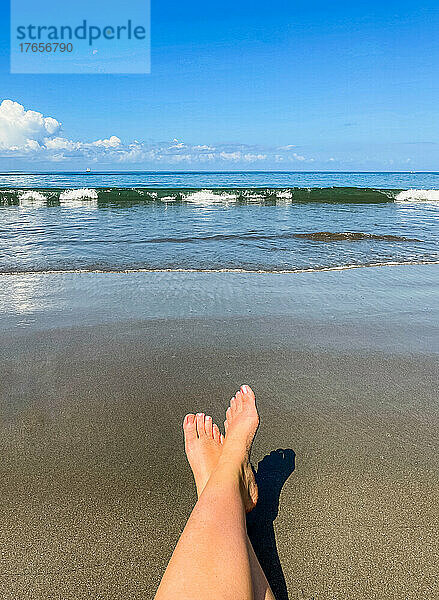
pixel 236 221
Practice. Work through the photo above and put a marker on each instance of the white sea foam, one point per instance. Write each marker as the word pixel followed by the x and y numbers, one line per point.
pixel 284 194
pixel 252 196
pixel 81 194
pixel 216 197
pixel 225 270
pixel 84 197
pixel 418 196
pixel 32 198
pixel 209 197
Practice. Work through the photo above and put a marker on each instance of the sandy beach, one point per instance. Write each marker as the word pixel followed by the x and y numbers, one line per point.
pixel 200 198
pixel 95 486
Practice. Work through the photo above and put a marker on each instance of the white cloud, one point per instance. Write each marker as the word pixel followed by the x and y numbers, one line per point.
pixel 204 147
pixel 249 157
pixel 287 147
pixel 31 135
pixel 230 155
pixel 112 142
pixel 20 128
pixel 59 143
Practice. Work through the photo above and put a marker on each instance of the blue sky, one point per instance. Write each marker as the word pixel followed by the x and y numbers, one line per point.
pixel 243 85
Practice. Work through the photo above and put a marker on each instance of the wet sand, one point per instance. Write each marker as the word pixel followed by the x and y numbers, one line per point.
pixel 95 487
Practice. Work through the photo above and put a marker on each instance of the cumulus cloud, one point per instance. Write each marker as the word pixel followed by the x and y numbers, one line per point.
pixel 59 143
pixel 20 128
pixel 112 142
pixel 30 134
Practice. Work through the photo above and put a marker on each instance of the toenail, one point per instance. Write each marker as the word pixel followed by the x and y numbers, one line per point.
pixel 244 388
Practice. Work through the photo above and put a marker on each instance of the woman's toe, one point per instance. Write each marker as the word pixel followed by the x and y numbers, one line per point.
pixel 200 417
pixel 189 428
pixel 208 426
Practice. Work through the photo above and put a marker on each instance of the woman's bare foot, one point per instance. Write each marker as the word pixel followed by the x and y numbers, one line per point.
pixel 203 444
pixel 242 421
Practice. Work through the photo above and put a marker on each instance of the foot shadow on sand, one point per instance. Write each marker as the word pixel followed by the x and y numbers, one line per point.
pixel 273 471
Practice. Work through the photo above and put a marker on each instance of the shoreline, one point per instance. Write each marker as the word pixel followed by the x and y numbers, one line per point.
pixel 237 270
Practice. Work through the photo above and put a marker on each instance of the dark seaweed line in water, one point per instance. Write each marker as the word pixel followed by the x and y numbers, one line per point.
pixel 351 236
pixel 116 271
pixel 317 236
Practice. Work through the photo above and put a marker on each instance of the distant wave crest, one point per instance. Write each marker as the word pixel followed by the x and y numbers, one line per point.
pixel 32 197
pixel 194 196
pixel 418 196
pixel 206 197
pixel 81 194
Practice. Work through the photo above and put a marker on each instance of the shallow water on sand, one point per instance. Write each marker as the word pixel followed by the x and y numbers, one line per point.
pixel 383 305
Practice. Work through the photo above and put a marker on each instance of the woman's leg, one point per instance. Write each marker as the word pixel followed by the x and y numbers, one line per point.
pixel 261 587
pixel 214 555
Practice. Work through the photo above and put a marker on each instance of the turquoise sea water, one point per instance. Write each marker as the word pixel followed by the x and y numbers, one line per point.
pixel 216 221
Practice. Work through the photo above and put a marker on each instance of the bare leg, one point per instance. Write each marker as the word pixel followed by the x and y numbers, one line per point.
pixel 261 587
pixel 214 552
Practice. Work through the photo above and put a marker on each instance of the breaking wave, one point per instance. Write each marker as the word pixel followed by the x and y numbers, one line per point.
pixel 32 198
pixel 418 196
pixel 205 196
pixel 81 194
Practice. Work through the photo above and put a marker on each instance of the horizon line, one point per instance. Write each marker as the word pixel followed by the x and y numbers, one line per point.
pixel 168 171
